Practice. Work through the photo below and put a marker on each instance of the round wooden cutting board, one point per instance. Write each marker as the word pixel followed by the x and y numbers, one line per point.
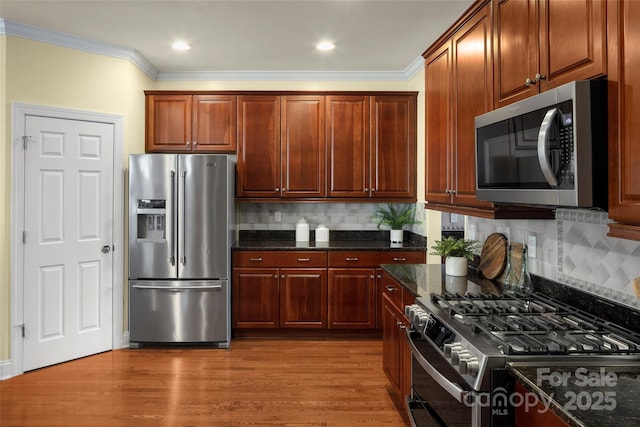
pixel 493 257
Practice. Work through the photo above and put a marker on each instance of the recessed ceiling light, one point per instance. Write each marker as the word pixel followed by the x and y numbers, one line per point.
pixel 180 46
pixel 325 46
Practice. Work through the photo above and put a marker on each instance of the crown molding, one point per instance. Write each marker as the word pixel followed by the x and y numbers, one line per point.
pixel 31 32
pixel 17 29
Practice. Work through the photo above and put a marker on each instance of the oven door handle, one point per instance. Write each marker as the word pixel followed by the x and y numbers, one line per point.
pixel 453 389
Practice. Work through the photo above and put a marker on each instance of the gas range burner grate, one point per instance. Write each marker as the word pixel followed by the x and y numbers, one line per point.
pixel 528 324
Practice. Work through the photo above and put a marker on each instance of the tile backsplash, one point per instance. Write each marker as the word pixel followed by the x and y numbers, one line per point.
pixel 576 251
pixel 336 216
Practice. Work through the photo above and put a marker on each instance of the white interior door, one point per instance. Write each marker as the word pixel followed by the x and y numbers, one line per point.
pixel 68 222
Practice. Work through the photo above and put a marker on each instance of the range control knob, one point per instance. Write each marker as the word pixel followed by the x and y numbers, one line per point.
pixel 449 347
pixel 458 355
pixel 469 366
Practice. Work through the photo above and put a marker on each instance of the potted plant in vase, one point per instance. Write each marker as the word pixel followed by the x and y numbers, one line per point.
pixel 395 217
pixel 456 253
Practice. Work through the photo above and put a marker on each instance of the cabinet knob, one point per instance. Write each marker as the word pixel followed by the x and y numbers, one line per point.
pixel 371 277
pixel 275 276
pixel 277 189
pixel 188 143
pixel 373 190
pixel 540 77
pixel 529 82
pixel 366 190
pixel 379 276
pixel 195 143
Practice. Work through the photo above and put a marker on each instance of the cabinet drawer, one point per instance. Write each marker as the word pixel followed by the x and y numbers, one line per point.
pixel 374 258
pixel 393 291
pixel 280 259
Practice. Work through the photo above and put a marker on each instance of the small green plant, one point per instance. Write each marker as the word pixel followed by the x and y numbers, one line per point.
pixel 395 216
pixel 453 247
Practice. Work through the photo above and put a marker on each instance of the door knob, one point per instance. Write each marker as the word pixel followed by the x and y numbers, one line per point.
pixel 106 249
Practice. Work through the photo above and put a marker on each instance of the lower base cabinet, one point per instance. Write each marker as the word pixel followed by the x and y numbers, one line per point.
pixel 396 354
pixel 352 298
pixel 331 290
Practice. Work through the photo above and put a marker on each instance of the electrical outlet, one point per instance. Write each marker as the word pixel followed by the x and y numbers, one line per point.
pixel 277 216
pixel 532 245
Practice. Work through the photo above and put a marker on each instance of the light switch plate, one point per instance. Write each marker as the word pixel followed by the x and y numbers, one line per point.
pixel 277 216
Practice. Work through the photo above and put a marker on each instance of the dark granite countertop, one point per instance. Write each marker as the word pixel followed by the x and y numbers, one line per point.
pixel 339 240
pixel 579 404
pixel 585 395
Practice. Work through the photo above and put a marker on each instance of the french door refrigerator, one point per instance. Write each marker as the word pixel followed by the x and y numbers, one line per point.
pixel 181 213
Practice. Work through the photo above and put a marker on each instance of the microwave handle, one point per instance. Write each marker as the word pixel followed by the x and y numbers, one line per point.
pixel 543 153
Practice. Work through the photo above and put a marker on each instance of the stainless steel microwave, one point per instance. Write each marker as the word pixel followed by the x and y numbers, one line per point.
pixel 549 149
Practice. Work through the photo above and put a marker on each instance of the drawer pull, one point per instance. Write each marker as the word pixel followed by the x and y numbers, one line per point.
pixel 255 259
pixel 391 288
pixel 352 259
pixel 304 259
pixel 399 259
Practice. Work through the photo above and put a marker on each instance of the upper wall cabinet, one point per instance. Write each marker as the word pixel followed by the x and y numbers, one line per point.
pixel 371 145
pixel 203 123
pixel 458 87
pixel 281 150
pixel 624 101
pixel 541 44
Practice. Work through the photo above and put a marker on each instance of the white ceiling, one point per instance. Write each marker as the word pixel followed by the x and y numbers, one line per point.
pixel 371 36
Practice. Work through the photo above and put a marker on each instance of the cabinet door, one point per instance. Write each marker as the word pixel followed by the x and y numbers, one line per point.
pixel 347 137
pixel 438 99
pixel 573 41
pixel 214 123
pixel 352 298
pixel 303 146
pixel 303 298
pixel 168 124
pixel 258 167
pixel 515 45
pixel 392 344
pixel 393 147
pixel 473 95
pixel 624 126
pixel 255 298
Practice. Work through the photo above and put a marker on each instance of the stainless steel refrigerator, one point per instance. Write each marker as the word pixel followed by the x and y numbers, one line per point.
pixel 181 213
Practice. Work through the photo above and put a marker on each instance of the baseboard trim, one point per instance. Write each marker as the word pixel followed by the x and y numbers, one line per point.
pixel 6 371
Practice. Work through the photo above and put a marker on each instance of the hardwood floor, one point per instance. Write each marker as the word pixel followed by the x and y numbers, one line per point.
pixel 279 382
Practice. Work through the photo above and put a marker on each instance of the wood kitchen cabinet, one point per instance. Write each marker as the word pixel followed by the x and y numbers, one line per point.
pixel 279 289
pixel 203 123
pixel 393 147
pixel 371 144
pixel 459 75
pixel 458 87
pixel 624 102
pixel 348 147
pixel 542 44
pixel 281 151
pixel 396 354
pixel 354 285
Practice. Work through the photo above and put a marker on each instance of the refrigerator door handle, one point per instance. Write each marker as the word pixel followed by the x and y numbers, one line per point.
pixel 180 288
pixel 170 233
pixel 181 218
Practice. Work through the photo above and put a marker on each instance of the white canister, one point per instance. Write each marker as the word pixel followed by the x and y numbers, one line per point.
pixel 302 231
pixel 322 233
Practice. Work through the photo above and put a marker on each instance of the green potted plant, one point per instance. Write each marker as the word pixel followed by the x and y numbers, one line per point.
pixel 395 216
pixel 456 252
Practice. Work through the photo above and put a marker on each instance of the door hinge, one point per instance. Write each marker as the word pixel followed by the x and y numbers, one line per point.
pixel 24 237
pixel 25 139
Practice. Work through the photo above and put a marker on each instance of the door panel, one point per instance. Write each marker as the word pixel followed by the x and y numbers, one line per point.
pixel 152 253
pixel 202 227
pixel 68 219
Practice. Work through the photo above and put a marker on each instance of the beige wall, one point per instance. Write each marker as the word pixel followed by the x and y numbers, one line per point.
pixel 42 74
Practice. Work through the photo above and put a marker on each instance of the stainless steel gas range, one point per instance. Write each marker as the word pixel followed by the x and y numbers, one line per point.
pixel 462 342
